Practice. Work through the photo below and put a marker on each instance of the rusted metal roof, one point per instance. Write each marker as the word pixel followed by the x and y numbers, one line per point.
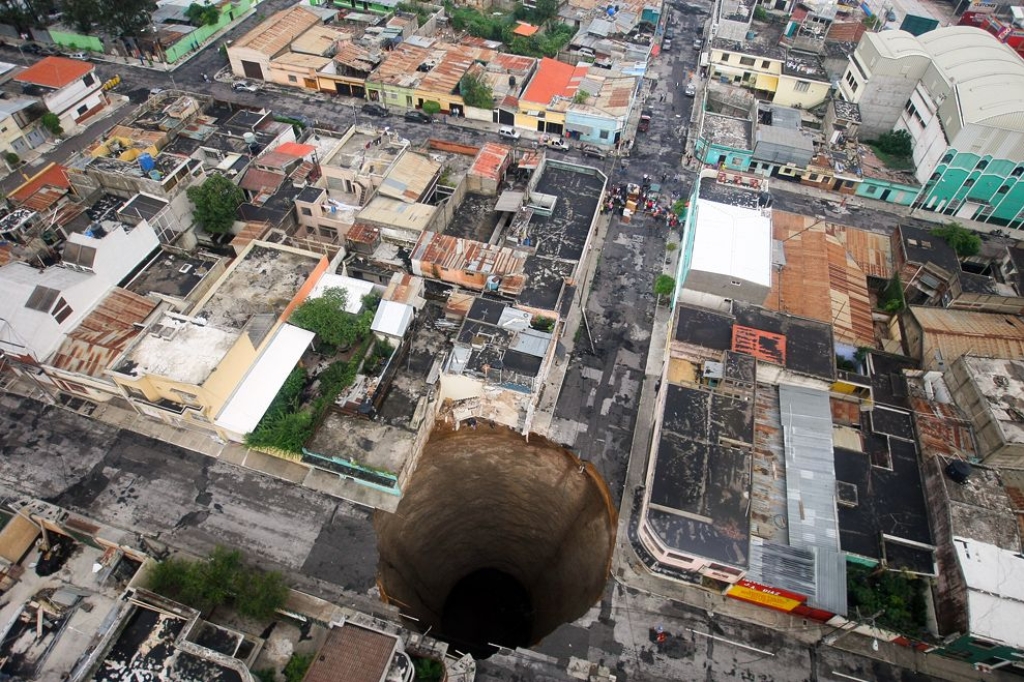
pixel 762 345
pixel 401 66
pixel 279 30
pixel 821 280
pixel 257 180
pixel 942 429
pixel 458 254
pixel 410 177
pixel 104 333
pixel 253 229
pixel 871 251
pixel 361 233
pixel 950 334
pixel 456 62
pixel 491 161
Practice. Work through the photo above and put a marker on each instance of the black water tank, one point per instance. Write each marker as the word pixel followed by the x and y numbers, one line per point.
pixel 959 471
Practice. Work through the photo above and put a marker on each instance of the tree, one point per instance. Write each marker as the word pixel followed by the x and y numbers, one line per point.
pixel 664 285
pixel 476 92
pixel 221 579
pixel 82 14
pixel 202 15
pixel 430 107
pixel 965 242
pixel 327 318
pixel 296 667
pixel 51 122
pixel 581 96
pixel 216 203
pixel 545 9
pixel 12 159
pixel 896 143
pixel 126 18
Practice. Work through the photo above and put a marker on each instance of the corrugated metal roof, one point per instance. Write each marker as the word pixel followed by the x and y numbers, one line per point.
pixel 531 342
pixel 490 161
pixel 392 318
pixel 278 31
pixel 410 177
pixel 950 334
pixel 810 467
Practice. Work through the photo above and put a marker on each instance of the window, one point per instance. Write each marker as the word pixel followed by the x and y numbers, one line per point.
pixel 851 81
pixel 61 311
pixel 293 79
pixel 802 86
pixel 604 135
pixel 948 158
pixel 305 210
pixel 747 61
pixel 82 109
pixel 935 176
pixel 1017 172
pixel 736 283
pixel 88 80
pixel 1003 190
pixel 725 57
pixel 982 165
pixel 869 189
pixel 969 182
pixel 766 64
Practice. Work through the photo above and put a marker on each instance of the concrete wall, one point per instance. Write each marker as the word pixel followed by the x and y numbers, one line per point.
pixel 993 447
pixel 883 86
pixel 725 286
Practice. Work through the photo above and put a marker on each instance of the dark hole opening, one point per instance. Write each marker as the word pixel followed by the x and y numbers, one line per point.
pixel 485 608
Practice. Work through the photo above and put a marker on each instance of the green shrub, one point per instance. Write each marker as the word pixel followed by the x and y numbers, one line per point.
pixel 297 666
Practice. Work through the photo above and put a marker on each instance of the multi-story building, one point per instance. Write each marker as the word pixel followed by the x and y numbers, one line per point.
pixel 959 93
pixel 19 129
pixel 68 88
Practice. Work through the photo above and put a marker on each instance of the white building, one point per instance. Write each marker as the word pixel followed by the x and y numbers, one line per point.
pixel 959 93
pixel 726 243
pixel 38 308
pixel 69 88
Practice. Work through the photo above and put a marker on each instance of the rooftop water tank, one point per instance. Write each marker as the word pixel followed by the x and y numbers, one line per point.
pixel 250 138
pixel 146 162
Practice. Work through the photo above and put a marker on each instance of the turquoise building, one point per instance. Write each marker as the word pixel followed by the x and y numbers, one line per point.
pixel 973 187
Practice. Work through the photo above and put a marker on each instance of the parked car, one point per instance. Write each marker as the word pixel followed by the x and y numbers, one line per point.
pixel 79 55
pixel 372 109
pixel 31 48
pixel 592 151
pixel 645 121
pixel 698 43
pixel 666 45
pixel 508 132
pixel 155 91
pixel 691 90
pixel 556 143
pixel 244 86
pixel 417 117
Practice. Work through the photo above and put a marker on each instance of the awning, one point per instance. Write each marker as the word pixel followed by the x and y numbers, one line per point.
pixel 578 128
pixel 253 396
pixel 17 538
pixel 510 201
pixel 765 82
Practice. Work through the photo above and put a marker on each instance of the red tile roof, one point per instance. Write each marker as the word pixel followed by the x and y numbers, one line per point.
pixel 53 175
pixel 525 29
pixel 54 72
pixel 552 78
pixel 352 654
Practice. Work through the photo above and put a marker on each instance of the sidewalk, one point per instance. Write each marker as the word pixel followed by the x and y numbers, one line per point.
pixel 207 443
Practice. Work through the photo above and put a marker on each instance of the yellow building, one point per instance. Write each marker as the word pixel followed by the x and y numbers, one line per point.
pixel 543 104
pixel 786 77
pixel 221 365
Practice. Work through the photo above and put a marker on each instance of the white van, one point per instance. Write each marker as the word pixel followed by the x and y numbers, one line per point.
pixel 508 132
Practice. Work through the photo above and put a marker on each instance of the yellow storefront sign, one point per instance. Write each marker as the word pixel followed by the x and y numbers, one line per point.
pixel 774 601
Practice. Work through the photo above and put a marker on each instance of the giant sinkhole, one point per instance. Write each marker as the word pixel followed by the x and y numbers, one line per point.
pixel 497 541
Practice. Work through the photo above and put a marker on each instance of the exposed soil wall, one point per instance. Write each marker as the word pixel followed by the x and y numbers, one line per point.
pixel 486 499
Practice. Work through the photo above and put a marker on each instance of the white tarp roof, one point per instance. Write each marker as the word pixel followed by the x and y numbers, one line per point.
pixel 392 318
pixel 995 590
pixel 734 241
pixel 355 288
pixel 253 396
